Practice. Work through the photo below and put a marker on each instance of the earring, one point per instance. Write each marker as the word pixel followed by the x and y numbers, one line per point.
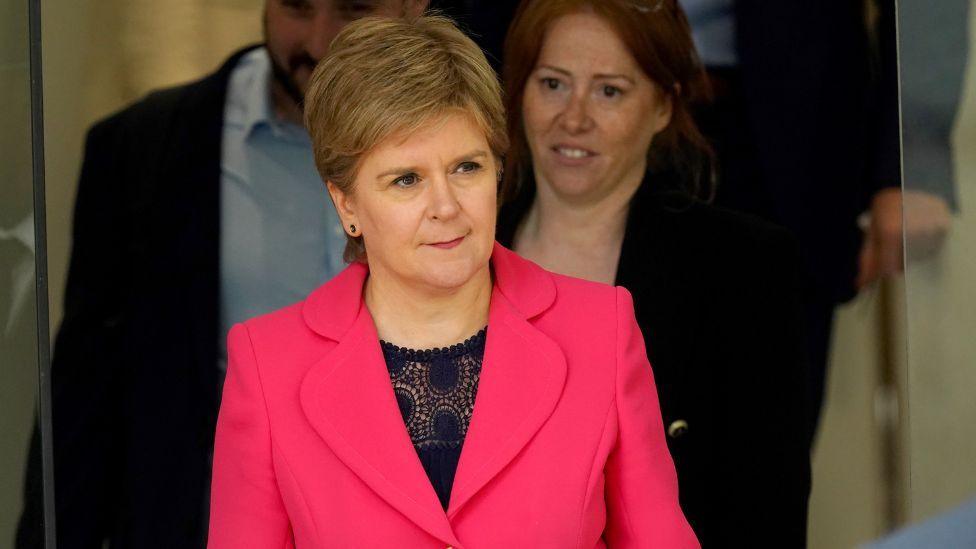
pixel 352 229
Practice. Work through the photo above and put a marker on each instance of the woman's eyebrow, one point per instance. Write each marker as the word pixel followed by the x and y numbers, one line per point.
pixel 600 76
pixel 397 171
pixel 471 155
pixel 556 69
pixel 614 77
pixel 477 153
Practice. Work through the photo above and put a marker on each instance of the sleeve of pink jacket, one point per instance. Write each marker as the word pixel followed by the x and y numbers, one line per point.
pixel 641 484
pixel 246 510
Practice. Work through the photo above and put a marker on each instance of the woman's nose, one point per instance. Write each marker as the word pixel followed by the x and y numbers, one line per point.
pixel 575 118
pixel 443 200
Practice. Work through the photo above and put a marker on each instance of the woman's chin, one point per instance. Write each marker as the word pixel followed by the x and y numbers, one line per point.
pixel 450 275
pixel 573 183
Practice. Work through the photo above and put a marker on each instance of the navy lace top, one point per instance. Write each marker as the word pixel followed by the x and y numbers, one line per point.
pixel 435 389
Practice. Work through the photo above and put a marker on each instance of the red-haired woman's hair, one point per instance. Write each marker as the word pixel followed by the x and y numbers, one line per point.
pixel 657 34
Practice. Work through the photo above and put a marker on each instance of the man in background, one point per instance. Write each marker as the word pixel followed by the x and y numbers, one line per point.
pixel 199 199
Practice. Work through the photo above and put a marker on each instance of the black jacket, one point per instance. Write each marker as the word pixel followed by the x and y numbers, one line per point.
pixel 822 108
pixel 134 369
pixel 716 299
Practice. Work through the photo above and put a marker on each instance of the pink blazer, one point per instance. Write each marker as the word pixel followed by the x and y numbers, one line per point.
pixel 565 448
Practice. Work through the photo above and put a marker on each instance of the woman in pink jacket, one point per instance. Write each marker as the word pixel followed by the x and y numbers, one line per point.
pixel 441 391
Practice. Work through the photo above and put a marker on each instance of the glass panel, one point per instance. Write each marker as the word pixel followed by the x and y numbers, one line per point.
pixel 939 152
pixel 20 356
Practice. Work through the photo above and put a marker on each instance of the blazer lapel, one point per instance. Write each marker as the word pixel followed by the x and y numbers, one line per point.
pixel 522 378
pixel 348 398
pixel 349 401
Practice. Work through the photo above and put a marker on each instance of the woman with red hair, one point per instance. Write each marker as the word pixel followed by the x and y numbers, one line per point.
pixel 607 179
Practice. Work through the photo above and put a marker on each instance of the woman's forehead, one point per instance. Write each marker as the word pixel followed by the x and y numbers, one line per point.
pixel 586 44
pixel 440 139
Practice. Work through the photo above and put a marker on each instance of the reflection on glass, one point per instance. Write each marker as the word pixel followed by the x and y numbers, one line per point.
pixel 939 155
pixel 18 342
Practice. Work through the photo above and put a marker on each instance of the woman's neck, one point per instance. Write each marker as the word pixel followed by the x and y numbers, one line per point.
pixel 576 238
pixel 422 318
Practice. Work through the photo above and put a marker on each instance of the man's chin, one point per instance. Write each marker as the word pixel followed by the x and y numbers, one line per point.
pixel 291 82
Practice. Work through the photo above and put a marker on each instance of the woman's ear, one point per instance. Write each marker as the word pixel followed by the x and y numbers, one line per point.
pixel 345 208
pixel 665 107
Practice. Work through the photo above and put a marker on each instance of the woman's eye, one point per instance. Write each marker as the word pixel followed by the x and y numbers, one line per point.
pixel 468 167
pixel 612 91
pixel 551 83
pixel 404 181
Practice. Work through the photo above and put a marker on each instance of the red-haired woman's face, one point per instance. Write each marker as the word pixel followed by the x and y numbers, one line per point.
pixel 589 111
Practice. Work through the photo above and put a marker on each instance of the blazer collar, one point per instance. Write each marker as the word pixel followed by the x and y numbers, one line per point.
pixel 348 399
pixel 332 308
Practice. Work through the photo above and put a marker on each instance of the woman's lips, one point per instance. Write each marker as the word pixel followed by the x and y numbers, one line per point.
pixel 449 244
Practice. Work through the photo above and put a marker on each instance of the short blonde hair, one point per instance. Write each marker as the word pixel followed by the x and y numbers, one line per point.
pixel 386 76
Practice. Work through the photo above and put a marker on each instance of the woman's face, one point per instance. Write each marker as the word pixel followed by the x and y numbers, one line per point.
pixel 589 111
pixel 424 203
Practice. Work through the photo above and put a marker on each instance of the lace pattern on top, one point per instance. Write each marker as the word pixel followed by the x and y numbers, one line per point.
pixel 435 389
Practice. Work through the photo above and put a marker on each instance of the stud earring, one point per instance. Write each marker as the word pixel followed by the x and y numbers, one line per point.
pixel 352 229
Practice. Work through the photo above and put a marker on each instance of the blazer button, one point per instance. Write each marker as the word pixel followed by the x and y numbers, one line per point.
pixel 677 428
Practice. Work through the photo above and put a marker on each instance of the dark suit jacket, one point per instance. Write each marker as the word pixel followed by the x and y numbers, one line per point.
pixel 134 375
pixel 824 119
pixel 715 297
